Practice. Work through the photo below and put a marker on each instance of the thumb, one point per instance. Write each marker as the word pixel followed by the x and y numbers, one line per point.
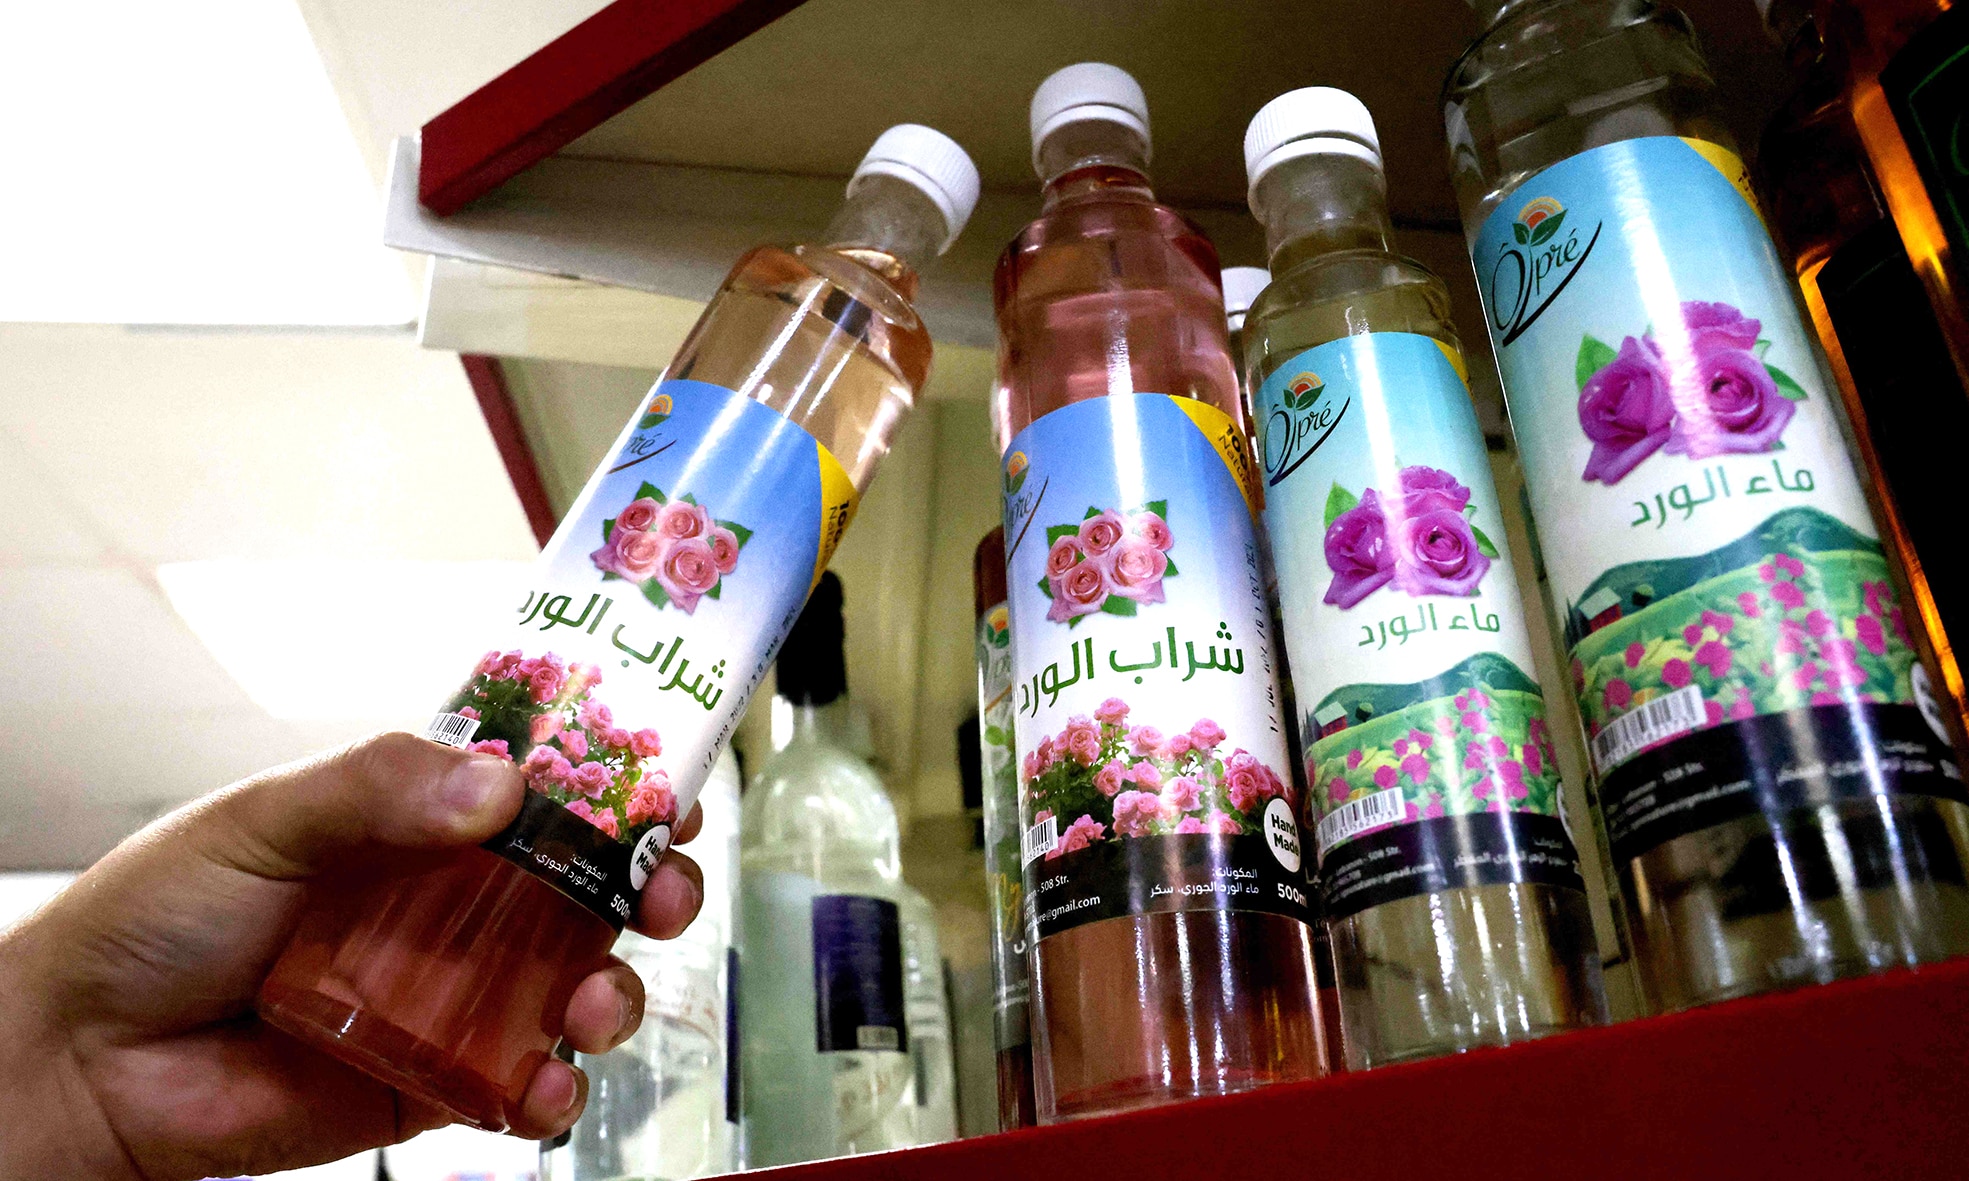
pixel 393 789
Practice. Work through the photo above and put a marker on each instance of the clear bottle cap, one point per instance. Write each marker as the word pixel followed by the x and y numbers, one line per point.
pixel 1087 92
pixel 931 161
pixel 1314 120
pixel 1241 286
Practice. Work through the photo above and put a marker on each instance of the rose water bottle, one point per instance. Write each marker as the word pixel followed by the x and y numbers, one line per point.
pixel 1449 880
pixel 1780 810
pixel 1011 1008
pixel 1165 898
pixel 653 613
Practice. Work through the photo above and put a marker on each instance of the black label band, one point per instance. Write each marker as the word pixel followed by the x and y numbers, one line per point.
pixel 571 855
pixel 1772 764
pixel 1447 853
pixel 1153 874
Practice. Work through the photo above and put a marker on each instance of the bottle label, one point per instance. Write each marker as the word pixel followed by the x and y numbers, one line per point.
pixel 858 992
pixel 1428 762
pixel 1153 772
pixel 1011 991
pixel 1736 645
pixel 650 618
pixel 1927 87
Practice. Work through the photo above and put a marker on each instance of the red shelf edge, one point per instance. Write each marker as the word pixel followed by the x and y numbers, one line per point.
pixel 571 85
pixel 502 418
pixel 1862 1078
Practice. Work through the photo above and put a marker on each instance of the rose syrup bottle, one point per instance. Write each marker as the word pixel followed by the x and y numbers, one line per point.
pixel 1902 391
pixel 1172 953
pixel 1778 808
pixel 1011 1009
pixel 1450 885
pixel 629 664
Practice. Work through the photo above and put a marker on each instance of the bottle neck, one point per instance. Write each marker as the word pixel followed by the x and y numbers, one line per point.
pixel 1093 160
pixel 827 722
pixel 889 226
pixel 1318 204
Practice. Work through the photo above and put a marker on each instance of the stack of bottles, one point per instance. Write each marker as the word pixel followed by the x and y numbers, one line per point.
pixel 1271 780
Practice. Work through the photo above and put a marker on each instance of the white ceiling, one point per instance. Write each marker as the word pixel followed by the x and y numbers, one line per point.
pixel 121 450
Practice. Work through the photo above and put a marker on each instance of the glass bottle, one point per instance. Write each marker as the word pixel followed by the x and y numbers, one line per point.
pixel 1451 887
pixel 1173 956
pixel 447 976
pixel 1011 1010
pixel 926 1003
pixel 1903 66
pixel 1902 393
pixel 661 1106
pixel 1778 808
pixel 824 1037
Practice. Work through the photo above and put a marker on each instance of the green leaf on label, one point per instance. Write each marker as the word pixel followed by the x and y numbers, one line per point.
pixel 1169 569
pixel 1092 512
pixel 1017 482
pixel 1548 227
pixel 608 527
pixel 996 736
pixel 655 594
pixel 1469 510
pixel 687 498
pixel 1116 605
pixel 1519 232
pixel 1484 544
pixel 652 492
pixel 1786 386
pixel 1594 355
pixel 1159 507
pixel 611 576
pixel 1338 501
pixel 1001 639
pixel 717 588
pixel 739 531
pixel 1045 588
pixel 1055 532
pixel 650 420
pixel 1761 347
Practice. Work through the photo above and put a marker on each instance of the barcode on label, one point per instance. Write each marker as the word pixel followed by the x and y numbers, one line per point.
pixel 1357 816
pixel 1649 723
pixel 452 730
pixel 1040 839
pixel 877 1037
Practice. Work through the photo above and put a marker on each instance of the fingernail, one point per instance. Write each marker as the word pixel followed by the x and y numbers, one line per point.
pixel 679 899
pixel 474 782
pixel 625 1018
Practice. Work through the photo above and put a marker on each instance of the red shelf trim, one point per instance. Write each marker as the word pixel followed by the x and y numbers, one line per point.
pixel 573 84
pixel 1858 1079
pixel 502 418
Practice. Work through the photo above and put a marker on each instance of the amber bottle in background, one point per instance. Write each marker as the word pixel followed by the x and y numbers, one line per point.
pixel 1904 72
pixel 1902 390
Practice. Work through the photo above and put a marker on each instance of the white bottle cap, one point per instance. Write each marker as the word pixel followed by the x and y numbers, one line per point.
pixel 1311 121
pixel 1241 286
pixel 1090 91
pixel 931 161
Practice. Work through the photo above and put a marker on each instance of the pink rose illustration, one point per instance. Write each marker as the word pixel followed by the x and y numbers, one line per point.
pixel 724 548
pixel 1108 779
pixel 1079 591
pixel 1081 833
pixel 630 553
pixel 1135 811
pixel 594 715
pixel 680 519
pixel 1206 734
pixel 1144 741
pixel 575 743
pixel 1135 570
pixel 1626 410
pixel 1099 532
pixel 645 744
pixel 1082 740
pixel 1065 552
pixel 591 779
pixel 1358 553
pixel 1112 712
pixel 1718 325
pixel 1436 554
pixel 1150 527
pixel 686 572
pixel 639 514
pixel 1181 793
pixel 546 682
pixel 653 799
pixel 1425 488
pixel 1736 407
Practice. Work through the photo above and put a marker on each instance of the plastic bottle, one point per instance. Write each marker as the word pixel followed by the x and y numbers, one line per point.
pixel 1887 350
pixel 823 985
pixel 651 616
pixel 1779 809
pixel 1173 956
pixel 1450 885
pixel 662 1105
pixel 926 1005
pixel 1011 1009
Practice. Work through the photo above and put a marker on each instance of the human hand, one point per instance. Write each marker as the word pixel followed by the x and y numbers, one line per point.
pixel 129 1047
